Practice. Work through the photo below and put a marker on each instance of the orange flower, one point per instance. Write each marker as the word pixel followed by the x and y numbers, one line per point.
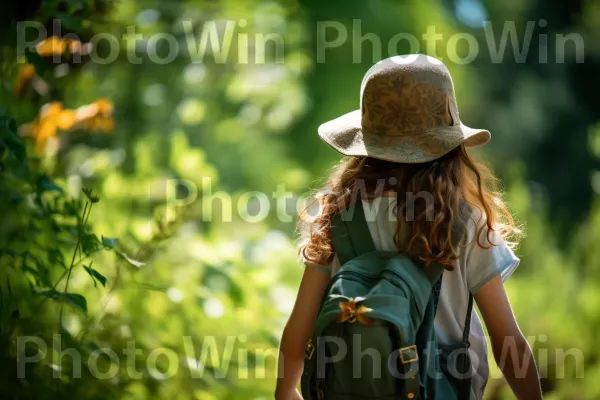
pixel 88 124
pixel 106 124
pixel 75 46
pixel 46 124
pixel 51 109
pixel 66 119
pixel 99 124
pixel 44 130
pixel 52 45
pixel 87 111
pixel 26 73
pixel 53 117
pixel 104 106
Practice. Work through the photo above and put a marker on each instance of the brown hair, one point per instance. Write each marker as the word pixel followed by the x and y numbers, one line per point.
pixel 426 229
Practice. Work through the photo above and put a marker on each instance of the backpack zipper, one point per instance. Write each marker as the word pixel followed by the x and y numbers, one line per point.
pixel 343 273
pixel 371 278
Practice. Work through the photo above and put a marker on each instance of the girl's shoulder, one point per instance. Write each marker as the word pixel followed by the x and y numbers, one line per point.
pixel 483 254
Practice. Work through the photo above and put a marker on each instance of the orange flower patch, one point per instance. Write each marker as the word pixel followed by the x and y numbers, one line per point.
pixel 50 46
pixel 349 312
pixel 55 45
pixel 26 73
pixel 94 117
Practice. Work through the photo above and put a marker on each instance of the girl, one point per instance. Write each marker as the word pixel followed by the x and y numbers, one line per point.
pixel 408 163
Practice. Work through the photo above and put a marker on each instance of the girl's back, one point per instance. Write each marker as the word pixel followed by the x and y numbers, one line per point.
pixel 474 268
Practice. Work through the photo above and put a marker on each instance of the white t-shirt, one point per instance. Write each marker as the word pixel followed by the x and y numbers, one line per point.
pixel 475 268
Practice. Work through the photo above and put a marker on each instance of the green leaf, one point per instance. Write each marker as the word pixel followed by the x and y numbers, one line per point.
pixel 45 184
pixel 37 61
pixel 13 152
pixel 74 299
pixel 68 340
pixel 130 260
pixel 111 243
pixel 51 294
pixel 76 5
pixel 77 301
pixel 9 252
pixel 96 276
pixel 89 243
pixel 55 257
pixel 8 124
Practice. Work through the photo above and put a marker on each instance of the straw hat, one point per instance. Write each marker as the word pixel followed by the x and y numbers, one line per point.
pixel 408 114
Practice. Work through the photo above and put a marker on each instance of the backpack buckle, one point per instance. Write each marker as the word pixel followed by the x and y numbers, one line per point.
pixel 309 349
pixel 409 354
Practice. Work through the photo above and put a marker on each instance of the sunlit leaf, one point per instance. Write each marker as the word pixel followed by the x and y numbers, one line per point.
pixel 130 260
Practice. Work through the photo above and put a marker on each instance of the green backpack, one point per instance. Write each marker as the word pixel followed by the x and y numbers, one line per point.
pixel 374 335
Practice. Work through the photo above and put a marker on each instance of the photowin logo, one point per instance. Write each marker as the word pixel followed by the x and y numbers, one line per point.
pixel 235 356
pixel 232 42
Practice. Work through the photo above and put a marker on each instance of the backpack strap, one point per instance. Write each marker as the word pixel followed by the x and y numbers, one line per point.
pixel 437 287
pixel 467 328
pixel 350 233
pixel 437 291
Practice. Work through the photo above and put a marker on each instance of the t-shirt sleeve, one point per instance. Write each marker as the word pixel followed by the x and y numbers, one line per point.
pixel 325 269
pixel 485 263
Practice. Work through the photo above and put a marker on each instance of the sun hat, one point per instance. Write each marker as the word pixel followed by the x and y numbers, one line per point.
pixel 408 114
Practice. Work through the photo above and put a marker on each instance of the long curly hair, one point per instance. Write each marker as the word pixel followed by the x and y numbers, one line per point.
pixel 431 197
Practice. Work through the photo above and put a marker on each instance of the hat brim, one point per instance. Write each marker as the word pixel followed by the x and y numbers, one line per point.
pixel 345 135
